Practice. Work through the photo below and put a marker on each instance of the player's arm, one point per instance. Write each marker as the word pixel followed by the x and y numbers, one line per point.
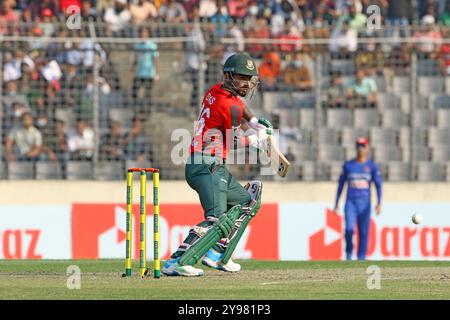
pixel 341 183
pixel 257 124
pixel 263 128
pixel 377 179
pixel 248 114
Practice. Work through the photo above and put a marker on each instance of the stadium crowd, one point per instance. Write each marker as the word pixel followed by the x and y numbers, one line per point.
pixel 44 79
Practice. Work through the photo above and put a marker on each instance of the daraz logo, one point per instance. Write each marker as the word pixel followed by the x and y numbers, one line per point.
pixel 326 244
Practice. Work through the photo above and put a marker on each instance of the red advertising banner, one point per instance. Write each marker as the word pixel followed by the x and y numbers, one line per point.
pixel 98 231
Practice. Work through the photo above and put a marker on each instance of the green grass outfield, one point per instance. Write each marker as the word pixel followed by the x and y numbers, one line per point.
pixel 101 279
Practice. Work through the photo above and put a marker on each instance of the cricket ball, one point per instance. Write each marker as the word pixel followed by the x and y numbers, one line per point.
pixel 417 218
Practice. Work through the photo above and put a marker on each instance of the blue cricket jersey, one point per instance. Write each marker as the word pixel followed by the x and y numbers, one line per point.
pixel 359 177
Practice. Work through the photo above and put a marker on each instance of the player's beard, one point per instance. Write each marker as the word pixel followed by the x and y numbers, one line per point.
pixel 242 88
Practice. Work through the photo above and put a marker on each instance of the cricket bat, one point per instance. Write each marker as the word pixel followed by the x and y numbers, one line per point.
pixel 278 161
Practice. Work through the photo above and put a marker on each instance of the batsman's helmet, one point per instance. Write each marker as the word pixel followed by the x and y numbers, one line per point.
pixel 241 63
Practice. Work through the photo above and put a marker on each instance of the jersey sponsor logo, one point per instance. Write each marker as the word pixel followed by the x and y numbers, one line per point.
pixel 366 169
pixel 359 184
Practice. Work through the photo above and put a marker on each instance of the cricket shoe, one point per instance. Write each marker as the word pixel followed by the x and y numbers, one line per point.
pixel 213 258
pixel 173 268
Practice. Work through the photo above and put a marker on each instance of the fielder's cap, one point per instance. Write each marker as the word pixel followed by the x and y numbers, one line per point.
pixel 362 141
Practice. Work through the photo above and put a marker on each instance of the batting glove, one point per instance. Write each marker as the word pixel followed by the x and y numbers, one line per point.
pixel 258 142
pixel 261 124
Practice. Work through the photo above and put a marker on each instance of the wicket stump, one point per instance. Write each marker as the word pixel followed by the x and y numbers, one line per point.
pixel 143 271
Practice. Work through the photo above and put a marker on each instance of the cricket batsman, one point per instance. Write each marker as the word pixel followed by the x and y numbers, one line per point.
pixel 228 206
pixel 358 174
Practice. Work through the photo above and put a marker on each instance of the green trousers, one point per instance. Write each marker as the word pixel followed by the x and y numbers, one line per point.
pixel 217 189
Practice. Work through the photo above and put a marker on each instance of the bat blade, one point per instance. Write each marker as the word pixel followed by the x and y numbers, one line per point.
pixel 278 161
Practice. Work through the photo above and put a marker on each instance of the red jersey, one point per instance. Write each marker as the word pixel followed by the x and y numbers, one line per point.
pixel 220 112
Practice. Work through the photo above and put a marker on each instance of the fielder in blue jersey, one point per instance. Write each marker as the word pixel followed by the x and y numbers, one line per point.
pixel 359 173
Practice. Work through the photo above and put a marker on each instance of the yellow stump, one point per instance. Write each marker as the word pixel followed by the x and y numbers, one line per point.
pixel 129 224
pixel 142 225
pixel 156 262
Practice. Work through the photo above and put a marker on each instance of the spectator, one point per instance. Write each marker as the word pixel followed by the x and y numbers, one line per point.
pixel 81 142
pixel 13 68
pixel 321 29
pixel 37 103
pixel 445 55
pixel 15 104
pixel 355 19
pixel 74 55
pixel 137 144
pixel 238 8
pixel 424 7
pixel 54 146
pixel 370 58
pixel 238 45
pixel 13 96
pixel 26 21
pixel 298 74
pixel 173 12
pixel 24 143
pixel 292 38
pixel 270 70
pixel 146 71
pixel 8 18
pixel 258 31
pixel 428 38
pixel 143 11
pixel 51 72
pixel 47 24
pixel 194 48
pixel 88 13
pixel 102 5
pixel 445 16
pixel 252 16
pixel 117 17
pixel 362 91
pixel 336 92
pixel 90 50
pixel 343 39
pixel 189 5
pixel 26 83
pixel 220 19
pixel 57 143
pixel 399 60
pixel 112 144
pixel 103 85
pixel 277 22
pixel 38 6
pixel 72 82
pixel 399 14
pixel 207 9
